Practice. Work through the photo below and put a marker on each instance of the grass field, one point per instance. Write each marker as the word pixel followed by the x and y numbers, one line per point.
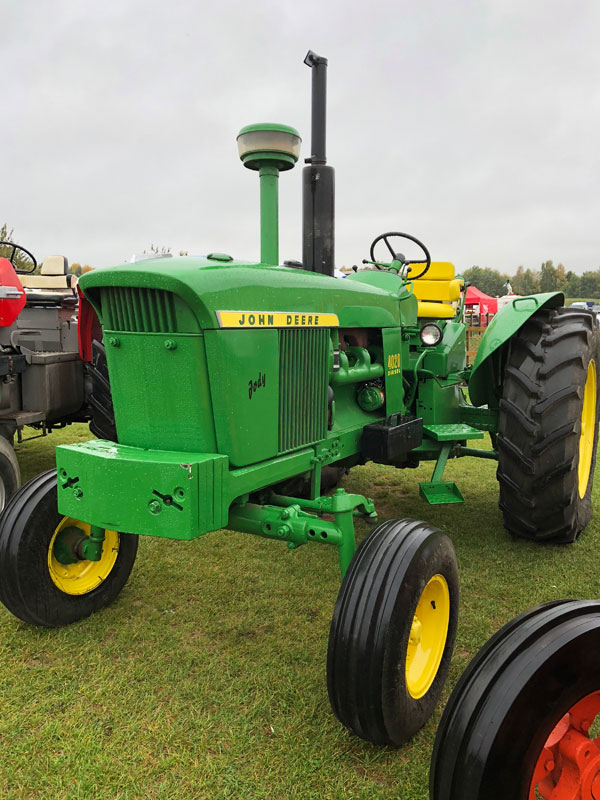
pixel 206 678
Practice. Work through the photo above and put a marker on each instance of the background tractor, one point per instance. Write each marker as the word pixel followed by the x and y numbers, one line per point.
pixel 237 385
pixel 42 375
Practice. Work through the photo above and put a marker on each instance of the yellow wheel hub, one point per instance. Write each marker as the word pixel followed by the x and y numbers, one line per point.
pixel 588 429
pixel 82 576
pixel 427 638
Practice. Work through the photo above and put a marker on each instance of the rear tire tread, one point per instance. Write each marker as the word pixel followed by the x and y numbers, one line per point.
pixel 102 423
pixel 539 426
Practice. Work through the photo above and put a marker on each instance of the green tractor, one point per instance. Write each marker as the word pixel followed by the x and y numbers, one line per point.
pixel 242 391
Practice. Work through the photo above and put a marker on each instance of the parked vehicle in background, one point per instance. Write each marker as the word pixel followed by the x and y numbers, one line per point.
pixel 41 372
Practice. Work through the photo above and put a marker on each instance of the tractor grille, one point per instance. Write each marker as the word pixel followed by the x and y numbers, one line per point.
pixel 138 310
pixel 302 387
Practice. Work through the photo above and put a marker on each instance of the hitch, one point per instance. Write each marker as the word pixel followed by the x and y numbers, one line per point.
pixel 286 521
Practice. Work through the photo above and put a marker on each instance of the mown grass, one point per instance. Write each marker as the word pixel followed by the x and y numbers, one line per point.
pixel 206 678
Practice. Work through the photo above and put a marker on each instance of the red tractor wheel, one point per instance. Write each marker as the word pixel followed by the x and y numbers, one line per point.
pixel 520 723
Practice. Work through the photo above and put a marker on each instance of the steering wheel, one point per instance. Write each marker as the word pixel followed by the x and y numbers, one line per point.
pixel 11 258
pixel 384 237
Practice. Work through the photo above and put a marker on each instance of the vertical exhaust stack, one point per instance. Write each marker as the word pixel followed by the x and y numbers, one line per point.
pixel 318 181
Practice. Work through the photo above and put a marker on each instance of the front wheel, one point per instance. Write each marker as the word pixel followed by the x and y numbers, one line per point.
pixel 392 632
pixel 520 723
pixel 42 579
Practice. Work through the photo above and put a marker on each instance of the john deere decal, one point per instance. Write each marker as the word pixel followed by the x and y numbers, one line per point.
pixel 276 319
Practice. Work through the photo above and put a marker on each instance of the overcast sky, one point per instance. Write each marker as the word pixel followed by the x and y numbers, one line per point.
pixel 472 125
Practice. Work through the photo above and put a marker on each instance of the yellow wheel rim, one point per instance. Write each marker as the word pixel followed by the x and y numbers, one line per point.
pixel 427 639
pixel 588 429
pixel 82 576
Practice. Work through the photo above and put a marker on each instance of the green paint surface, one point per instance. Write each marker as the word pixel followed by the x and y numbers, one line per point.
pixel 169 494
pixel 244 370
pixel 483 384
pixel 207 287
pixel 161 390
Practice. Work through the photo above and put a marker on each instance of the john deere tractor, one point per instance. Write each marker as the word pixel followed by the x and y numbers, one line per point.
pixel 239 388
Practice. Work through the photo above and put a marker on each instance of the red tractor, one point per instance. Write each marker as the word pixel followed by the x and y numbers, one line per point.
pixel 42 374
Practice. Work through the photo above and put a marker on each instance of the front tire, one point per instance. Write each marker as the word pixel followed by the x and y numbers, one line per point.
pixel 517 724
pixel 548 426
pixel 35 583
pixel 393 631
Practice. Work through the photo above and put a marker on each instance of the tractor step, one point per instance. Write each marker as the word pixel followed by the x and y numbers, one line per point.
pixel 452 433
pixel 438 492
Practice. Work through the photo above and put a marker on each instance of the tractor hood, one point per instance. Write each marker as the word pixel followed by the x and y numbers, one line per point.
pixel 211 287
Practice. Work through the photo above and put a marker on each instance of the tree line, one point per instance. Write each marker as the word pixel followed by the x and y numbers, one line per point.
pixel 22 261
pixel 525 281
pixel 548 278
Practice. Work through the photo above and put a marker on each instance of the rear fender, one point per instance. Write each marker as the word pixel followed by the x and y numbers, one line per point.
pixel 485 382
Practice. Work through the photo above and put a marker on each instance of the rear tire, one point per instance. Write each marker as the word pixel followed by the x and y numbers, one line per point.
pixel 102 423
pixel 504 723
pixel 36 587
pixel 393 632
pixel 10 474
pixel 548 426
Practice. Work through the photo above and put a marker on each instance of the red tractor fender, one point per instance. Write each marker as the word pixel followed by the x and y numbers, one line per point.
pixel 10 308
pixel 88 327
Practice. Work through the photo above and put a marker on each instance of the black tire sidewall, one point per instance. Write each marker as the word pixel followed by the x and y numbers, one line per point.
pixel 584 504
pixel 434 557
pixel 559 681
pixel 9 470
pixel 509 699
pixel 369 633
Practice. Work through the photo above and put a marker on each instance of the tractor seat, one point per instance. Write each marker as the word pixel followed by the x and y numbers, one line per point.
pixel 436 290
pixel 53 279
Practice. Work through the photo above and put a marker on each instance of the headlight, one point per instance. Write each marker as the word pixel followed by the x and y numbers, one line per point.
pixel 431 334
